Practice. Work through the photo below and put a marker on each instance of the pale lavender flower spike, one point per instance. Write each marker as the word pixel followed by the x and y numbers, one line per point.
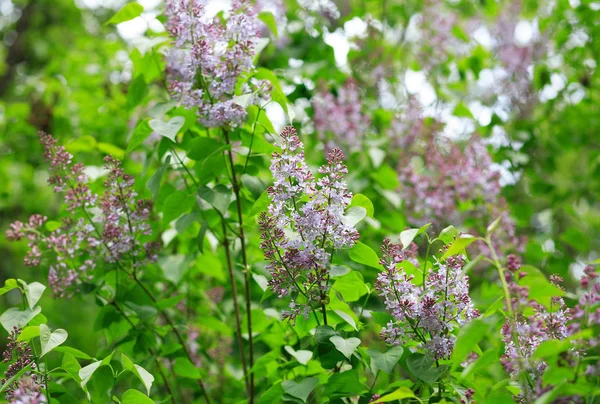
pixel 304 223
pixel 426 314
pixel 208 57
pixel 78 244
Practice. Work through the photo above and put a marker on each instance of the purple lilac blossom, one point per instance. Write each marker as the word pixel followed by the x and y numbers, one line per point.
pixel 451 179
pixel 340 121
pixel 427 314
pixel 304 223
pixel 209 56
pixel 523 334
pixel 76 246
pixel 26 388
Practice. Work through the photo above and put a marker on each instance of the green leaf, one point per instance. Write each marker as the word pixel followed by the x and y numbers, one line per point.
pixel 300 390
pixel 261 204
pixel 86 373
pixel 362 201
pixel 29 333
pixel 201 148
pixel 14 317
pixel 398 394
pixel 461 110
pixel 71 366
pixel 126 13
pixel 153 183
pixel 176 205
pixel 184 368
pixel 51 339
pixel 110 149
pixel 468 338
pixel 137 91
pixel 219 197
pixel 33 292
pixel 363 254
pixel 72 351
pixel 420 365
pixel 133 396
pixel 385 361
pixel 301 356
pixel 201 236
pixel 173 266
pixel 145 377
pixel 354 215
pixel 345 384
pixel 459 245
pixel 167 129
pixel 347 318
pixel 140 134
pixel 494 307
pixel 269 20
pixel 345 346
pixel 9 285
pixel 351 286
pixel 447 235
pixel 493 226
pixel 272 396
pixel 540 288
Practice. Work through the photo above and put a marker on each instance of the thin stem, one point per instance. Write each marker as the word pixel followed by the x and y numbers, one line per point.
pixel 426 260
pixel 251 140
pixel 242 238
pixel 236 308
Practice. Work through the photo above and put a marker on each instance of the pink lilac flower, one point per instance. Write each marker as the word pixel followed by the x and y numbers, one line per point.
pixel 524 333
pixel 26 388
pixel 304 223
pixel 27 391
pixel 75 248
pixel 427 314
pixel 340 121
pixel 453 178
pixel 515 58
pixel 209 57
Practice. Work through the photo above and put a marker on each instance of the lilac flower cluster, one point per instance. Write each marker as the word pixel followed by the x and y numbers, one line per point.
pixel 516 58
pixel 340 120
pixel 125 217
pixel 524 333
pixel 209 57
pixel 76 246
pixel 435 193
pixel 25 389
pixel 429 313
pixel 304 223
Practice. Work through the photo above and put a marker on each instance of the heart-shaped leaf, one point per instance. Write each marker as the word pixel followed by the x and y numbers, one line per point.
pixel 14 317
pixel 219 197
pixel 51 339
pixel 345 346
pixel 300 390
pixel 145 377
pixel 33 292
pixel 385 361
pixel 301 356
pixel 167 129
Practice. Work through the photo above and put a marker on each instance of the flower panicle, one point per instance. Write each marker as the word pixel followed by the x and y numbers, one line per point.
pixel 86 236
pixel 304 223
pixel 428 313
